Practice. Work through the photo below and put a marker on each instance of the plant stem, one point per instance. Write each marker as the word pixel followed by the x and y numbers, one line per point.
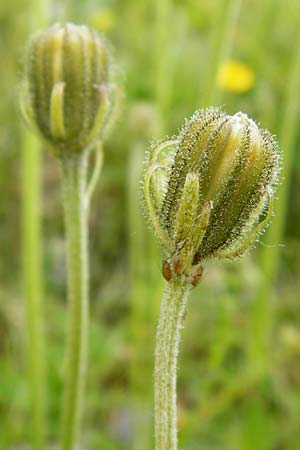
pixel 75 209
pixel 32 279
pixel 167 346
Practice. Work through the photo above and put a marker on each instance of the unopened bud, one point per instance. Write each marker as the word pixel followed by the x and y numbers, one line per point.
pixel 209 192
pixel 66 90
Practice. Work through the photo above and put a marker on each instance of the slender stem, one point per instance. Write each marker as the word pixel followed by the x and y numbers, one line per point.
pixel 32 280
pixel 166 353
pixel 31 237
pixel 75 209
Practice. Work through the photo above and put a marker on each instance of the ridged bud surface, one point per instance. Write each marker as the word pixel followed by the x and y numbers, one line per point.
pixel 209 191
pixel 66 90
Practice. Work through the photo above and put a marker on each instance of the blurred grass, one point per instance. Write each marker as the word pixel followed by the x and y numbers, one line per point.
pixel 274 240
pixel 222 40
pixel 227 400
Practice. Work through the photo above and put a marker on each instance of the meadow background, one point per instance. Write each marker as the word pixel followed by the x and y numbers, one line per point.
pixel 239 377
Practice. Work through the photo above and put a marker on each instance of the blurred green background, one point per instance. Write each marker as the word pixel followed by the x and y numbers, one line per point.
pixel 239 377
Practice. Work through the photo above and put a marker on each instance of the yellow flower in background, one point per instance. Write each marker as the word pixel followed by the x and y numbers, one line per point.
pixel 234 76
pixel 103 20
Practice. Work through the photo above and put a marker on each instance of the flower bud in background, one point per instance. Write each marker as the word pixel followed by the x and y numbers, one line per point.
pixel 66 92
pixel 209 191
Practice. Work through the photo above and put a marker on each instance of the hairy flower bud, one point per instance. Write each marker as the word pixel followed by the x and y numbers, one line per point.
pixel 209 191
pixel 66 91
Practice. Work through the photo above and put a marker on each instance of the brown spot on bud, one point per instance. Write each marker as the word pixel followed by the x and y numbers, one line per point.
pixel 197 275
pixel 166 270
pixel 177 265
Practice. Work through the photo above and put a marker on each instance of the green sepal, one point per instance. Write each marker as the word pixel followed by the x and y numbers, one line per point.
pixel 186 218
pixel 57 111
pixel 249 237
pixel 100 116
pixel 201 225
pixel 152 208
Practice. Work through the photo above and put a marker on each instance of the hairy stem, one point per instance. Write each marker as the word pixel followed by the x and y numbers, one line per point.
pixel 75 209
pixel 33 290
pixel 165 373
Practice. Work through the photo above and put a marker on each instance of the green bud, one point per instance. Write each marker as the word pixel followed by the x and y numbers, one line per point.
pixel 66 92
pixel 209 191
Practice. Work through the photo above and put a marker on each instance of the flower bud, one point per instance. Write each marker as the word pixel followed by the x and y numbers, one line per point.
pixel 209 191
pixel 66 92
